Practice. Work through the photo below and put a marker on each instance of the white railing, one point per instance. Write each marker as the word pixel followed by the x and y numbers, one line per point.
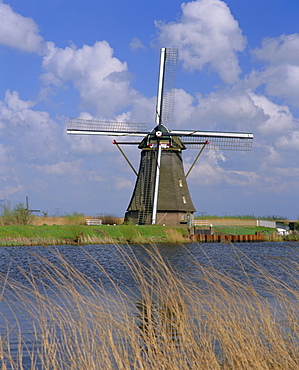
pixel 264 223
pixel 93 221
pixel 206 223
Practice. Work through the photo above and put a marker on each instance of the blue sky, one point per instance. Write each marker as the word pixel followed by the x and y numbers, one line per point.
pixel 238 71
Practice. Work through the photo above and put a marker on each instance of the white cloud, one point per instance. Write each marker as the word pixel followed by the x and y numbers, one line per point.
pixel 121 183
pixel 90 144
pixel 273 125
pixel 279 50
pixel 290 141
pixel 207 170
pixel 14 109
pixel 287 172
pixel 18 32
pixel 282 81
pixel 31 134
pixel 277 118
pixel 5 154
pixel 94 176
pixel 228 110
pixel 234 110
pixel 183 108
pixel 272 157
pixel 61 168
pixel 102 80
pixel 136 44
pixel 241 178
pixel 206 35
pixel 10 190
pixel 281 73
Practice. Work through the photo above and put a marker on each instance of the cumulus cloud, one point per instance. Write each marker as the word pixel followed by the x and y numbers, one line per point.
pixel 277 118
pixel 18 32
pixel 32 134
pixel 274 127
pixel 290 141
pixel 207 170
pixel 278 50
pixel 228 110
pixel 234 110
pixel 271 157
pixel 206 35
pixel 102 80
pixel 283 80
pixel 281 73
pixel 210 171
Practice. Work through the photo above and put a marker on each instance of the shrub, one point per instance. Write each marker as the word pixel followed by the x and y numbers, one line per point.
pixel 19 215
pixel 75 218
pixel 110 220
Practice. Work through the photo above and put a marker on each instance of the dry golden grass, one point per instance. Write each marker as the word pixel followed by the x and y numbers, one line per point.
pixel 78 220
pixel 205 321
pixel 38 221
pixel 174 236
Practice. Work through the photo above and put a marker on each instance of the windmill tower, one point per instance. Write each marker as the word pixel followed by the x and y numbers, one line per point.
pixel 161 194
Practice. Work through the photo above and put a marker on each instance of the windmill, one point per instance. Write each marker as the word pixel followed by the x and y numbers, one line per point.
pixel 28 210
pixel 161 193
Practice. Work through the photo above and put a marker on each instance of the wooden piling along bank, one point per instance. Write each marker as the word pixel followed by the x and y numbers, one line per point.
pixel 213 238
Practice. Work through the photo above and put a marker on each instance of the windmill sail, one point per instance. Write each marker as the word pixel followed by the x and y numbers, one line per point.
pixel 166 86
pixel 107 128
pixel 217 140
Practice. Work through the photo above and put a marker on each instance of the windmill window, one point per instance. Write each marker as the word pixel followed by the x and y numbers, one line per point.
pixel 184 199
pixel 181 183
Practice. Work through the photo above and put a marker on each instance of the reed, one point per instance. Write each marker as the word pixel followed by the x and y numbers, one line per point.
pixel 200 320
pixel 34 241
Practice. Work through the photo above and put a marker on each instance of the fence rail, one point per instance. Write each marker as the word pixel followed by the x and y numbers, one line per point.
pixel 93 221
pixel 264 223
pixel 206 223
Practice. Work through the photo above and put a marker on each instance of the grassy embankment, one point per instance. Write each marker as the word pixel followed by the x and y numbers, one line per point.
pixel 246 225
pixel 201 320
pixel 16 235
pixel 81 234
pixel 72 230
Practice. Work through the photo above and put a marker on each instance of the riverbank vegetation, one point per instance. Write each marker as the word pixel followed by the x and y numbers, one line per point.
pixel 20 227
pixel 242 217
pixel 203 319
pixel 15 235
pixel 18 235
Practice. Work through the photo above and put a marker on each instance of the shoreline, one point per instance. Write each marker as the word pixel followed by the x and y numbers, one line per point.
pixel 45 235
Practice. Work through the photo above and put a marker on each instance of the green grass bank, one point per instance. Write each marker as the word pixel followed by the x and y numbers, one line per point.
pixel 17 235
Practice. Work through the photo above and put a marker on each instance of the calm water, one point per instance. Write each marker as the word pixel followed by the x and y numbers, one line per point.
pixel 223 257
pixel 15 262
